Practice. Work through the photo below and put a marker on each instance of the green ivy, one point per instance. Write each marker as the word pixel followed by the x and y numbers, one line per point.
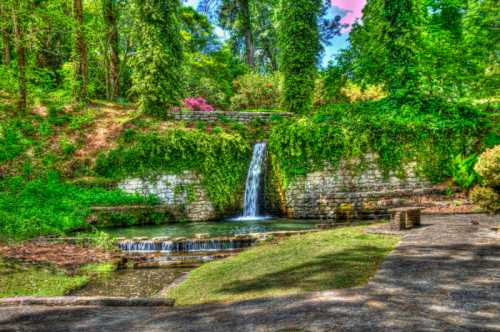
pixel 430 132
pixel 157 63
pixel 220 158
pixel 300 47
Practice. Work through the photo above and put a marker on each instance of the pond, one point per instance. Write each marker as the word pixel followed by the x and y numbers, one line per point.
pixel 214 229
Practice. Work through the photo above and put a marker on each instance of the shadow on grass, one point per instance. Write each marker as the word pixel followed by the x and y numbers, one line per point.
pixel 347 268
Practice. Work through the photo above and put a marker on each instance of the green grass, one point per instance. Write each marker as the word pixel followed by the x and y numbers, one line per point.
pixel 103 269
pixel 43 206
pixel 27 280
pixel 340 258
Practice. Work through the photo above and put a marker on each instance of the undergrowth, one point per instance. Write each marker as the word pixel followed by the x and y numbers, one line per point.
pixel 50 206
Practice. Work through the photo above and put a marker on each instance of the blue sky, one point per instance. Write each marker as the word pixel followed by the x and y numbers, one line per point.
pixel 337 43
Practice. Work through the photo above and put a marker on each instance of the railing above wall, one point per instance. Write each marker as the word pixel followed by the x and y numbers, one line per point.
pixel 216 116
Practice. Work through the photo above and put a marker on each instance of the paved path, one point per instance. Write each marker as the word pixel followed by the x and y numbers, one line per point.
pixel 444 276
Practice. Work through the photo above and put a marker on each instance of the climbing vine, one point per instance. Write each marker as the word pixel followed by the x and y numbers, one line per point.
pixel 300 47
pixel 431 133
pixel 221 159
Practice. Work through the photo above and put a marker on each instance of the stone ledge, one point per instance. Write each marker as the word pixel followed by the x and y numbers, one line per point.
pixel 244 117
pixel 87 301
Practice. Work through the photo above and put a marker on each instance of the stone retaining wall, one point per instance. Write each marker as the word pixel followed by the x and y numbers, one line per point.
pixel 243 117
pixel 345 194
pixel 183 194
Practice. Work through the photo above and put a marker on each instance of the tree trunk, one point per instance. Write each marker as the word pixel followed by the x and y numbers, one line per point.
pixel 6 47
pixel 110 17
pixel 81 61
pixel 247 32
pixel 21 62
pixel 5 36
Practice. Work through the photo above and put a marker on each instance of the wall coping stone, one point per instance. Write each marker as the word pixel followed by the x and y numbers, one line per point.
pixel 232 115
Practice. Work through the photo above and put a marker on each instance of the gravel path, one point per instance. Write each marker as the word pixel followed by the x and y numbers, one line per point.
pixel 444 276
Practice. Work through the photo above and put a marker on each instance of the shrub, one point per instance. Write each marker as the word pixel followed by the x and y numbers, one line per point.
pixel 196 104
pixel 256 91
pixel 488 167
pixel 463 173
pixel 356 93
pixel 487 198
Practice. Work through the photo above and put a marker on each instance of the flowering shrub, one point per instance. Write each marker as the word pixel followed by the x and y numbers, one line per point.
pixel 198 104
pixel 256 91
pixel 488 195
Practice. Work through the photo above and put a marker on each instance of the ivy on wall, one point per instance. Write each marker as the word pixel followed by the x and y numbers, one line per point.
pixel 221 159
pixel 430 132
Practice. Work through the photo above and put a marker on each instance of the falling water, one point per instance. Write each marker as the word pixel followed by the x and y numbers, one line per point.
pixel 188 245
pixel 254 177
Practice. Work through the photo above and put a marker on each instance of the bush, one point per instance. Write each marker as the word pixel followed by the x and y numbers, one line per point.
pixel 488 167
pixel 198 104
pixel 463 172
pixel 487 198
pixel 256 91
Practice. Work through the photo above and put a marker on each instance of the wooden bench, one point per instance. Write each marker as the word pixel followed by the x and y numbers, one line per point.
pixel 405 218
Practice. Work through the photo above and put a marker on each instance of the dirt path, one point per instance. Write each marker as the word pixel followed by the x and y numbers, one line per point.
pixel 444 276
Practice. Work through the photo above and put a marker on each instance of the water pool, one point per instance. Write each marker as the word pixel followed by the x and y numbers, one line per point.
pixel 213 229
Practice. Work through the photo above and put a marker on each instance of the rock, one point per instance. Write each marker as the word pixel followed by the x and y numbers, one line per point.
pixel 202 236
pixel 161 239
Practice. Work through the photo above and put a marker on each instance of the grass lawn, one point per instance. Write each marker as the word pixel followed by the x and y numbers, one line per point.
pixel 339 258
pixel 27 280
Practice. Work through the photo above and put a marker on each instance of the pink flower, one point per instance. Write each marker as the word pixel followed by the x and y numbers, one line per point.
pixel 198 104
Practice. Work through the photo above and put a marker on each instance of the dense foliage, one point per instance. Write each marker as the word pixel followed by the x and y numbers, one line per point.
pixel 256 91
pixel 435 47
pixel 157 65
pixel 398 90
pixel 300 47
pixel 50 206
pixel 431 132
pixel 221 159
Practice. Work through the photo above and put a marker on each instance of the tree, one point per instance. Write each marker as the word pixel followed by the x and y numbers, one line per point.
pixel 111 42
pixel 300 46
pixel 234 16
pixel 482 46
pixel 19 11
pixel 4 31
pixel 402 36
pixel 80 55
pixel 157 63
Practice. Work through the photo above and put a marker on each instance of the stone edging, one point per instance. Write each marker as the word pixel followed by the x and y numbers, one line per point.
pixel 244 117
pixel 97 301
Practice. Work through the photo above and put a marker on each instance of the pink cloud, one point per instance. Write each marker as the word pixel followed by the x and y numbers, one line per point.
pixel 353 8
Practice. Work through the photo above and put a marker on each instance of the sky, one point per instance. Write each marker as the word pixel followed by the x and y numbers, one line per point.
pixel 349 9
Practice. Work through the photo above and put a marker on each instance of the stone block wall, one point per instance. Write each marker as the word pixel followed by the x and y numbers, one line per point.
pixel 210 117
pixel 344 193
pixel 183 194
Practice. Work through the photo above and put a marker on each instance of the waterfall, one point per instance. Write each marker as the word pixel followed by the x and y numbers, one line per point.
pixel 253 183
pixel 186 246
